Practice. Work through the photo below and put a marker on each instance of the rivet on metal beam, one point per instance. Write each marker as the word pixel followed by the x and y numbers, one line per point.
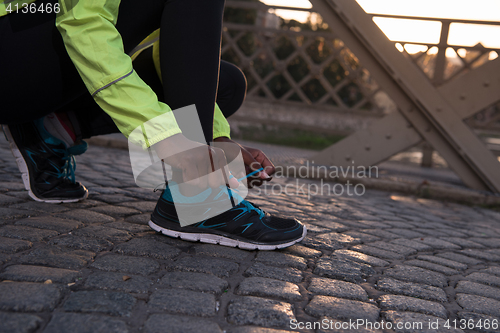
pixel 388 136
pixel 348 158
pixel 368 148
pixel 486 84
pixel 439 109
pixel 462 97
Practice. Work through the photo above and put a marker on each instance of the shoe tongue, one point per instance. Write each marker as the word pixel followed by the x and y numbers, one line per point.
pixel 78 149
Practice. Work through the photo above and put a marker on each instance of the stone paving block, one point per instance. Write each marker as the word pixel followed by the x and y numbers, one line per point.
pixel 116 198
pixel 250 310
pixel 51 223
pixel 382 233
pixel 477 318
pixel 484 278
pixel 437 243
pixel 4 258
pixel 337 288
pixel 130 227
pixel 215 266
pixel 206 283
pixel 253 329
pixel 412 322
pixel 265 287
pixel 115 211
pixel 39 207
pixel 285 274
pixel 489 242
pixel 181 301
pixel 312 228
pixel 444 262
pixel 411 289
pixel 328 325
pixel 110 234
pixel 157 323
pixel 417 275
pixel 376 252
pixel 18 322
pixel 413 244
pixel 106 302
pixel 361 257
pixel 479 304
pixel 281 259
pixel 86 216
pixel 122 263
pixel 7 214
pixel 342 309
pixel 32 273
pixel 302 251
pixel 143 206
pixel 12 186
pixel 181 244
pixel 480 255
pixel 463 242
pixel 82 243
pixel 408 233
pixel 57 257
pixel 119 281
pixel 147 248
pixel 495 270
pixel 433 232
pixel 338 227
pixel 30 297
pixel 405 303
pixel 468 287
pixel 140 219
pixel 361 236
pixel 27 233
pixel 404 250
pixel 9 245
pixel 341 268
pixel 342 239
pixel 458 257
pixel 222 252
pixel 320 243
pixel 431 266
pixel 84 323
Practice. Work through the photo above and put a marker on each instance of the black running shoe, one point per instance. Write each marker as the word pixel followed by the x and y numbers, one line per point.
pixel 47 166
pixel 245 226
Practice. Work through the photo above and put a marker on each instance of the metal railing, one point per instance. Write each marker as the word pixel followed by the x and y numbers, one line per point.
pixel 314 69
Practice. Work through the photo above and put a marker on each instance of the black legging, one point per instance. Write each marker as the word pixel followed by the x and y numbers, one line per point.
pixel 37 76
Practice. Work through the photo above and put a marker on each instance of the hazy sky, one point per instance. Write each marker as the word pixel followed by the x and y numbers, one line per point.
pixel 423 31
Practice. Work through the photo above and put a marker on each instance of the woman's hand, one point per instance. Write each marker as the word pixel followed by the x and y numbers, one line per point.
pixel 254 159
pixel 195 160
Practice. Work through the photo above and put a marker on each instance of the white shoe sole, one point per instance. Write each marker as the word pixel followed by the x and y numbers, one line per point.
pixel 221 240
pixel 21 164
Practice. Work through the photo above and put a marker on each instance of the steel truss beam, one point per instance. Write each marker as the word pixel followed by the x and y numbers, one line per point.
pixel 425 112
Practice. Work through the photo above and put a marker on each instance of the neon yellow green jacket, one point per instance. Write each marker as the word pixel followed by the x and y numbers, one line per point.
pixel 96 49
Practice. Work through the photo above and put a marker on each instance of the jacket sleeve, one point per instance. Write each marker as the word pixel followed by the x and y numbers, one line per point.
pixel 221 126
pixel 96 48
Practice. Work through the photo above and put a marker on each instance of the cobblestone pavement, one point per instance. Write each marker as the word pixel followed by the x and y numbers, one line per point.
pixel 95 266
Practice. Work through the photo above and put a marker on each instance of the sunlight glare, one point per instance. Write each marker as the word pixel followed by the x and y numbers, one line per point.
pixel 409 30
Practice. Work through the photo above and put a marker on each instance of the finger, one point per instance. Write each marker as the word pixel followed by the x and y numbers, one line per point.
pixel 266 163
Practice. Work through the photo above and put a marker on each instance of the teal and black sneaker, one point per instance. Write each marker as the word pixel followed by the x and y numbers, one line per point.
pixel 245 225
pixel 47 166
